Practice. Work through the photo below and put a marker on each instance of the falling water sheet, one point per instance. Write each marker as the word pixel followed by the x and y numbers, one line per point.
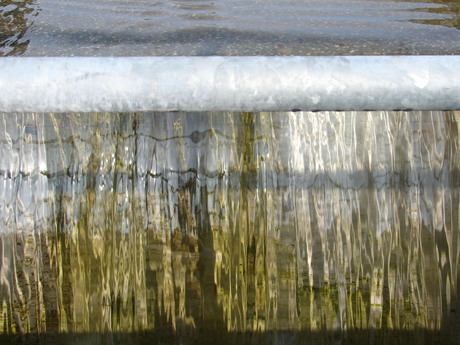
pixel 298 227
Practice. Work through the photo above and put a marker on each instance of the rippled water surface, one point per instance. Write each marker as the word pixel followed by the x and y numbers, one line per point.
pixel 241 27
pixel 311 228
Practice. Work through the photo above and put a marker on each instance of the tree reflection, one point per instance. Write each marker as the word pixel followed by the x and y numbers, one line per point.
pixel 450 8
pixel 15 20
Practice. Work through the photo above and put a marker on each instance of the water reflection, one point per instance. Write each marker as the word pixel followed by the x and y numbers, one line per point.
pixel 15 20
pixel 198 10
pixel 202 27
pixel 451 10
pixel 342 223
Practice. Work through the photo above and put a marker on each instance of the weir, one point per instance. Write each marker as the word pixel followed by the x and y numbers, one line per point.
pixel 211 225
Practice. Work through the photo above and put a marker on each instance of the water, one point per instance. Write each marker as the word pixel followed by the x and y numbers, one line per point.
pixel 242 27
pixel 283 228
pixel 232 228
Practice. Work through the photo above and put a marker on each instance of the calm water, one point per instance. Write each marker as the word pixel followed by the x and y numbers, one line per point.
pixel 241 27
pixel 312 228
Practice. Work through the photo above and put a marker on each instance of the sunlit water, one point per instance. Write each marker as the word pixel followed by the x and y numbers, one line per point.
pixel 229 228
pixel 239 27
pixel 312 228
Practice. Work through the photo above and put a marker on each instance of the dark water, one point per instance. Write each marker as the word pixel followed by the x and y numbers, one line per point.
pixel 234 228
pixel 241 27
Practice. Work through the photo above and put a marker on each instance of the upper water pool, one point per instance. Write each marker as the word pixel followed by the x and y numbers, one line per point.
pixel 240 27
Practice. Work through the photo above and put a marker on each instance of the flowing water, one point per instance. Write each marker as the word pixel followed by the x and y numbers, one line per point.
pixel 299 227
pixel 232 228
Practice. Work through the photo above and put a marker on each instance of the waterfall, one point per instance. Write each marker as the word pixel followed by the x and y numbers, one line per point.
pixel 334 224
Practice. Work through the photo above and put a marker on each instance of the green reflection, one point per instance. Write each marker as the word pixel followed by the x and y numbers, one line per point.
pixel 450 8
pixel 15 21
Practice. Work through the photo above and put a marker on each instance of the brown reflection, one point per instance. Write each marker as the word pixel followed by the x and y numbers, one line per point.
pixel 198 10
pixel 451 9
pixel 15 21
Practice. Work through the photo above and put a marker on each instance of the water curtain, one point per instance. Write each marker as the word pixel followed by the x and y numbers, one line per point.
pixel 174 222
